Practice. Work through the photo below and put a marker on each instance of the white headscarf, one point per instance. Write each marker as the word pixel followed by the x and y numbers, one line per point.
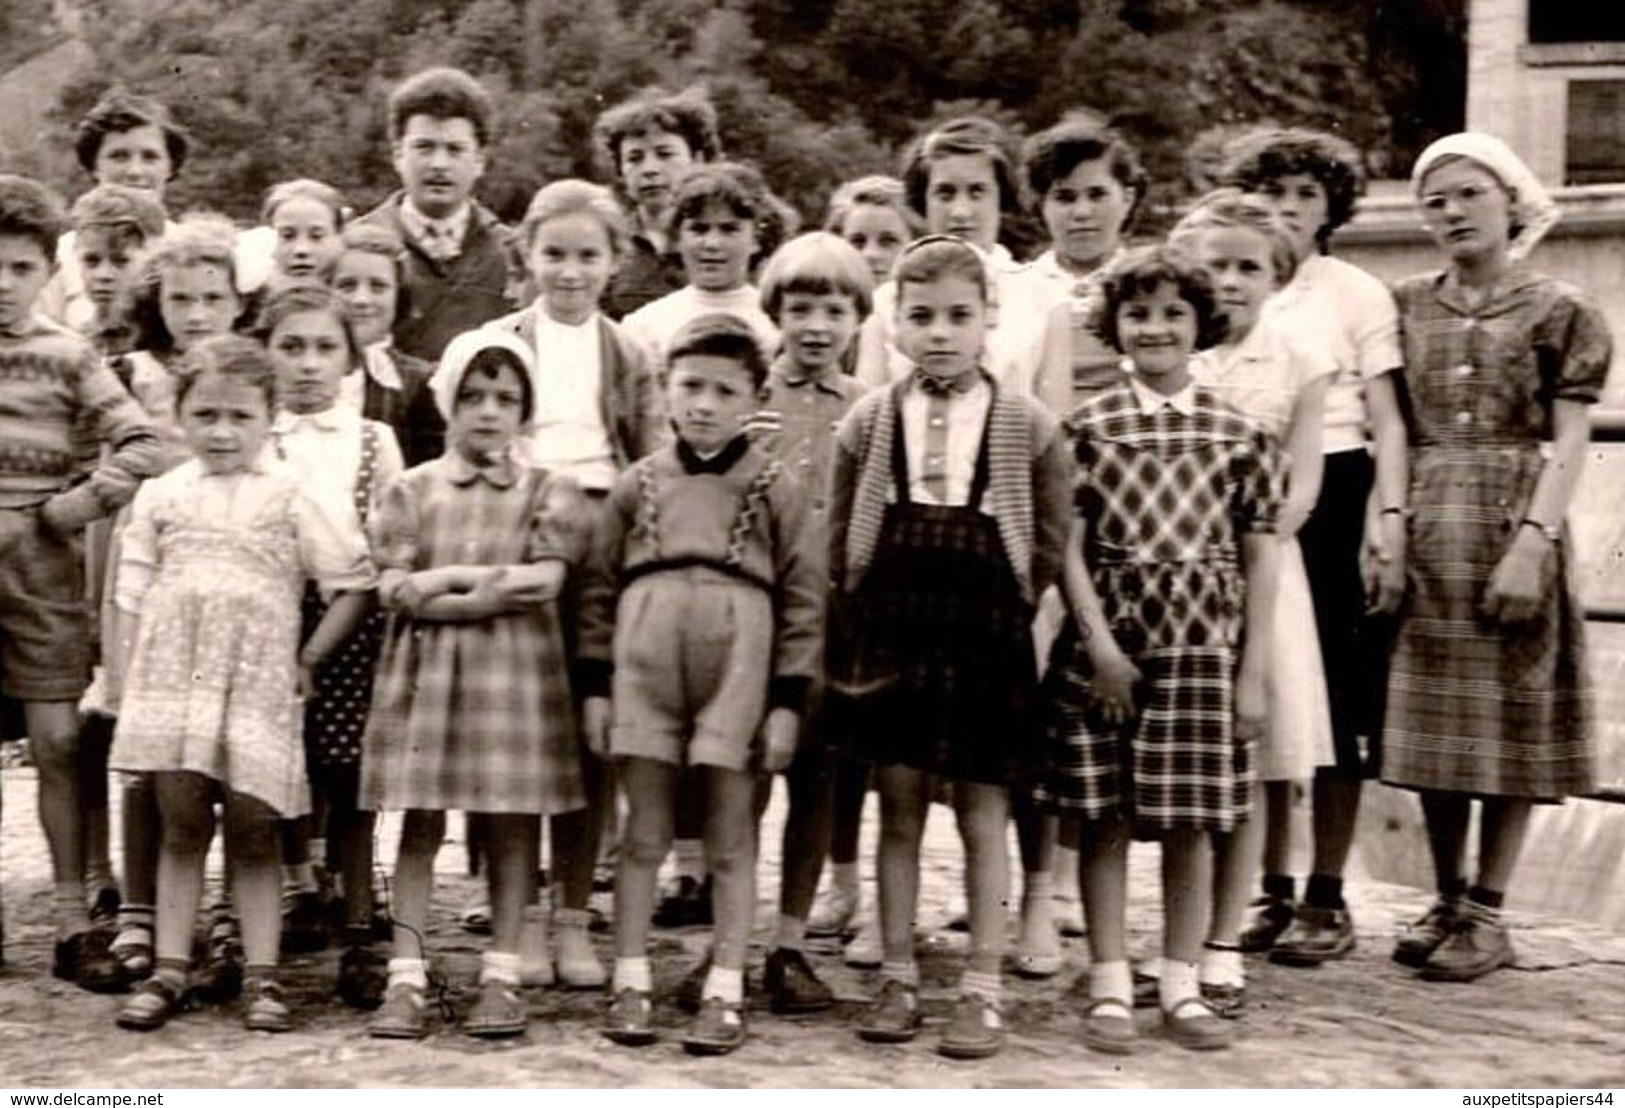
pixel 460 352
pixel 1533 208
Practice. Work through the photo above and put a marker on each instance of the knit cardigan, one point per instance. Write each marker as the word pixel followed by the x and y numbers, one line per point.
pixel 1029 486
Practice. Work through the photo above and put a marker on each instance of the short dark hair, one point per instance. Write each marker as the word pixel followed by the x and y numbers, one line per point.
pixel 970 134
pixel 235 356
pixel 1141 272
pixel 295 299
pixel 441 93
pixel 1268 154
pixel 382 240
pixel 32 210
pixel 936 256
pixel 687 114
pixel 740 187
pixel 720 335
pixel 120 110
pixel 1082 137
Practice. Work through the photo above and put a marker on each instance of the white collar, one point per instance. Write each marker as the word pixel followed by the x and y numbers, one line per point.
pixel 378 362
pixel 1152 401
pixel 336 418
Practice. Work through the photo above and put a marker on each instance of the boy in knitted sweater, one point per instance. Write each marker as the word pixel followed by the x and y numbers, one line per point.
pixel 702 626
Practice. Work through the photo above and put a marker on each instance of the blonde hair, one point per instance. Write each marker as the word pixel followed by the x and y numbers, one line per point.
pixel 572 195
pixel 819 263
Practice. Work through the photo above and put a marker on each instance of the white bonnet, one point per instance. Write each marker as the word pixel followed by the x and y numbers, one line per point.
pixel 1534 209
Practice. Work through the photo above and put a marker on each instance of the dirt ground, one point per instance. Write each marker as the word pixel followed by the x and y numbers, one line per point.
pixel 1555 1021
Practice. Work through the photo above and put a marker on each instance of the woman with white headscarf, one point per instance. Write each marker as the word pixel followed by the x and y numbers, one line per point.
pixel 1487 691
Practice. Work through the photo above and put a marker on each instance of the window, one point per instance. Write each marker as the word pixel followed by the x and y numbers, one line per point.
pixel 1555 21
pixel 1596 140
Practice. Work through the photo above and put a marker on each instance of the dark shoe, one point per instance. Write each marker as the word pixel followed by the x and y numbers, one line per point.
pixel 304 923
pixel 1423 937
pixel 402 1015
pixel 220 979
pixel 629 1019
pixel 87 960
pixel 1316 935
pixel 894 1017
pixel 719 1028
pixel 1203 1030
pixel 687 905
pixel 263 1006
pixel 104 905
pixel 975 1030
pixel 499 1013
pixel 1229 1001
pixel 363 977
pixel 1109 1034
pixel 793 988
pixel 1271 917
pixel 687 997
pixel 1476 945
pixel 151 1007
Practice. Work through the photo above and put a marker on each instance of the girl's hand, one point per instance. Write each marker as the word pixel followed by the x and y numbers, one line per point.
pixel 1115 682
pixel 595 725
pixel 779 734
pixel 1514 592
pixel 1382 565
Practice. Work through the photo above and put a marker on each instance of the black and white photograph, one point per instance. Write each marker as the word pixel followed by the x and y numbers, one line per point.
pixel 839 544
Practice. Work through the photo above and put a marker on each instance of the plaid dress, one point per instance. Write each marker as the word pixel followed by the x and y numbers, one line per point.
pixel 1166 497
pixel 477 715
pixel 1474 706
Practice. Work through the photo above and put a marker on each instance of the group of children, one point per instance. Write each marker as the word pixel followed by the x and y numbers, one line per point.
pixel 1112 544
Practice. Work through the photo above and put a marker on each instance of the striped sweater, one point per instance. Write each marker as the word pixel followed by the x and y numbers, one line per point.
pixel 52 390
pixel 1029 487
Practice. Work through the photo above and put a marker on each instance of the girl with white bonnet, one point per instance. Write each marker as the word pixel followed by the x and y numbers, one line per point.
pixel 1487 691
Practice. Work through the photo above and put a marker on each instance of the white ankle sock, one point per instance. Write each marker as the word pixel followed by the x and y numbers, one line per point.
pixel 906 972
pixel 409 971
pixel 724 984
pixel 1222 967
pixel 985 985
pixel 501 966
pixel 1111 980
pixel 633 973
pixel 1178 983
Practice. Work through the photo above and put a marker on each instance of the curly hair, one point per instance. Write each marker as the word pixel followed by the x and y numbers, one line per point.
pixel 970 134
pixel 441 93
pixel 120 110
pixel 687 114
pixel 1082 137
pixel 1254 160
pixel 199 238
pixel 740 187
pixel 1141 272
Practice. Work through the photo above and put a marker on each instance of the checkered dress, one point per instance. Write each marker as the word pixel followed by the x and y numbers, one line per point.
pixel 1166 498
pixel 1473 706
pixel 477 715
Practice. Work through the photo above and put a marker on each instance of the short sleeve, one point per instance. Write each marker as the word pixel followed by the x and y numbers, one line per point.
pixel 394 528
pixel 1259 475
pixel 331 551
pixel 137 550
pixel 560 521
pixel 1575 348
pixel 1373 326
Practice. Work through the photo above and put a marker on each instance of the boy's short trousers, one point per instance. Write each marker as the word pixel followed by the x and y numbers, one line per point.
pixel 44 621
pixel 693 653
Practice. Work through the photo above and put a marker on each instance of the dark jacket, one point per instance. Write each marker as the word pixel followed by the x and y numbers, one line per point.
pixel 448 298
